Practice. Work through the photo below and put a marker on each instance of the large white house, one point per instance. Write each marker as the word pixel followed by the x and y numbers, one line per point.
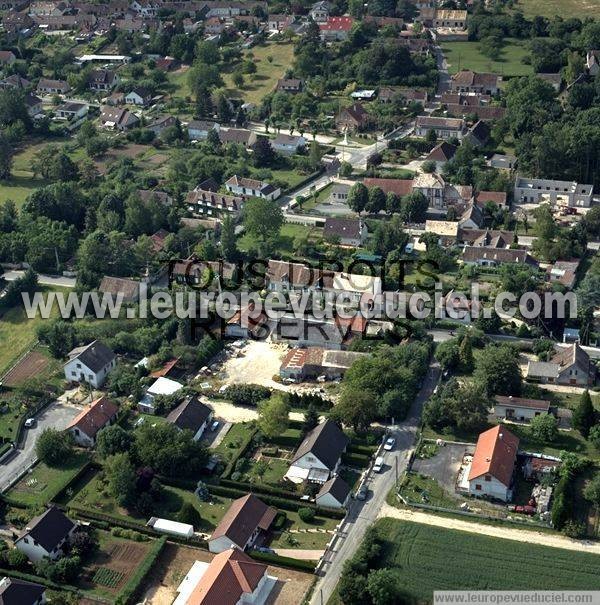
pixel 46 536
pixel 318 456
pixel 90 364
pixel 493 464
pixel 251 187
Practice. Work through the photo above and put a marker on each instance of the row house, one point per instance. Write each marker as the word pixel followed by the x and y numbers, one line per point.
pixel 467 81
pixel 212 203
pixel 444 128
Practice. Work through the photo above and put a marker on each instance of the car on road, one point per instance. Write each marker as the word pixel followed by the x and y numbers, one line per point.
pixel 29 423
pixel 390 442
pixel 214 426
pixel 378 466
pixel 362 492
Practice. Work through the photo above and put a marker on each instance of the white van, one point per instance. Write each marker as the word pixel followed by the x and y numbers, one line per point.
pixel 378 464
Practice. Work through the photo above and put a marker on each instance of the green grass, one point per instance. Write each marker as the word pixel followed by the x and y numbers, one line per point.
pixel 304 540
pixel 285 242
pixel 257 85
pixel 466 55
pixel 107 577
pixel 95 496
pixel 19 187
pixel 418 488
pixel 41 485
pixel 267 471
pixel 430 558
pixel 234 438
pixel 562 8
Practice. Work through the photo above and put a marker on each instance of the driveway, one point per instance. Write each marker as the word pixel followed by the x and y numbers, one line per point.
pixel 57 415
pixel 444 466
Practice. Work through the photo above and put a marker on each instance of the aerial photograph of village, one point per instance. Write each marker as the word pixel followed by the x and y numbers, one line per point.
pixel 299 302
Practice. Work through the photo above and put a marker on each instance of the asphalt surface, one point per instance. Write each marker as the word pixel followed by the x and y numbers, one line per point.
pixel 46 280
pixel 362 514
pixel 57 415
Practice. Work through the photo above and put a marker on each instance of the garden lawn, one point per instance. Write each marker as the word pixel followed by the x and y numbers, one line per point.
pixel 562 8
pixel 304 540
pixel 235 437
pixel 268 470
pixel 259 84
pixel 42 484
pixel 94 496
pixel 421 554
pixel 285 242
pixel 466 55
pixel 420 489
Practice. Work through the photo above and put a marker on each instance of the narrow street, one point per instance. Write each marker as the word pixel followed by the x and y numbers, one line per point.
pixel 362 514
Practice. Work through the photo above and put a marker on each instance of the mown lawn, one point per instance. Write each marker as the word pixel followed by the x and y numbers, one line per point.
pixel 285 242
pixel 258 84
pixel 466 55
pixel 41 485
pixel 307 540
pixel 562 8
pixel 233 440
pixel 429 558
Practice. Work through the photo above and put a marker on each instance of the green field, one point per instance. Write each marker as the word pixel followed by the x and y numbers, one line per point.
pixel 285 242
pixel 562 8
pixel 466 55
pixel 429 558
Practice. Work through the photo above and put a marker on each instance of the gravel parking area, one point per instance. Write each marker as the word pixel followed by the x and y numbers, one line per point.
pixel 444 466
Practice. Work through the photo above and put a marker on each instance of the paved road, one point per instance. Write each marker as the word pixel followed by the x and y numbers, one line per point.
pixel 363 514
pixel 443 75
pixel 57 415
pixel 46 280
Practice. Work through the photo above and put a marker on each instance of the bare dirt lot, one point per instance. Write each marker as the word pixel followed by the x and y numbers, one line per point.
pixel 175 561
pixel 33 364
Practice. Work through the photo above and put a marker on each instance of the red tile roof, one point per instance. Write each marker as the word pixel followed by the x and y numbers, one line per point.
pixel 400 187
pixel 495 454
pixel 337 24
pixel 96 417
pixel 229 575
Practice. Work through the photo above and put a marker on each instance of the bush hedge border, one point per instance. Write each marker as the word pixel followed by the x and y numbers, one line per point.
pixel 279 561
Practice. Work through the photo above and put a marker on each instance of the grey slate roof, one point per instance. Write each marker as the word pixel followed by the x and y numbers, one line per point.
pixel 95 356
pixel 337 487
pixel 19 592
pixel 326 442
pixel 49 529
pixel 191 414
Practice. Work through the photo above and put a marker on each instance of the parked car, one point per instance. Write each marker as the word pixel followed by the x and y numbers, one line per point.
pixel 378 466
pixel 389 444
pixel 361 494
pixel 30 422
pixel 214 426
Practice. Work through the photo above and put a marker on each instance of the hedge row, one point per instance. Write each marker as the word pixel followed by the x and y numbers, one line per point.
pixel 38 580
pixel 260 489
pixel 361 450
pixel 278 502
pixel 289 562
pixel 285 440
pixel 127 595
pixel 240 452
pixel 63 490
pixel 359 460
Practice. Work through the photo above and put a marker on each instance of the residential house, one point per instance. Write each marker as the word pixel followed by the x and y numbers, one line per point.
pixel 339 192
pixel 519 409
pixel 33 104
pixel 441 154
pixel 252 187
pixel 195 272
pixel 20 592
pixel 7 58
pixel 439 193
pixel 531 191
pixel 478 134
pixel 45 536
pixel 102 80
pixel 161 386
pixel 15 82
pixel 467 81
pixel 86 425
pixel 319 455
pixel 231 578
pixel 336 29
pixel 487 113
pixel 354 117
pixel 198 129
pixel 90 364
pixel 486 238
pixel 291 85
pixel 238 136
pixel 244 521
pixel 492 257
pixel 568 366
pixel 497 198
pixel 319 11
pixel 116 118
pixel 450 19
pixel 214 204
pixel 347 231
pixel 564 272
pixel 154 195
pixel 387 94
pixel 120 288
pixel 161 124
pixel 420 47
pixel 335 493
pixel 493 465
pixel 472 218
pixel 447 231
pixel 301 363
pixel 139 96
pixel 444 128
pixel 592 62
pixel 400 187
pixel 503 161
pixel 71 110
pixel 166 63
pixel 288 144
pixel 280 23
pixel 191 415
pixel 52 87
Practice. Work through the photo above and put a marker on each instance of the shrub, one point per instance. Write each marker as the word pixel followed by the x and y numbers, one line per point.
pixel 16 559
pixel 189 515
pixel 306 514
pixel 246 394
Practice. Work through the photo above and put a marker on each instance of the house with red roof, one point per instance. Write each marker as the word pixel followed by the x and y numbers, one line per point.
pixel 231 578
pixel 85 427
pixel 336 28
pixel 493 464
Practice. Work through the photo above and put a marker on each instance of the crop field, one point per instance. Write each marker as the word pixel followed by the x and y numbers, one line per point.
pixel 107 577
pixel 421 556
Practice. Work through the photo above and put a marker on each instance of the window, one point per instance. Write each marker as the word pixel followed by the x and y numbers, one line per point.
pixel 478 487
pixel 488 477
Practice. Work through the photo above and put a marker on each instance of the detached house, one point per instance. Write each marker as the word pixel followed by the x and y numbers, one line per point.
pixel 288 144
pixel 198 129
pixel 116 118
pixel 319 455
pixel 519 409
pixel 139 96
pixel 85 427
pixel 354 117
pixel 444 128
pixel 103 80
pixel 251 187
pixel 336 29
pixel 52 87
pixel 191 415
pixel 292 85
pixel 569 366
pixel 493 464
pixel 46 535
pixel 348 231
pixel 241 525
pixel 19 592
pixel 335 493
pixel 471 82
pixel 90 364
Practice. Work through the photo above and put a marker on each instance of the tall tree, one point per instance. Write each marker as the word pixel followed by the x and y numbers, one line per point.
pixel 273 416
pixel 584 415
pixel 358 197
